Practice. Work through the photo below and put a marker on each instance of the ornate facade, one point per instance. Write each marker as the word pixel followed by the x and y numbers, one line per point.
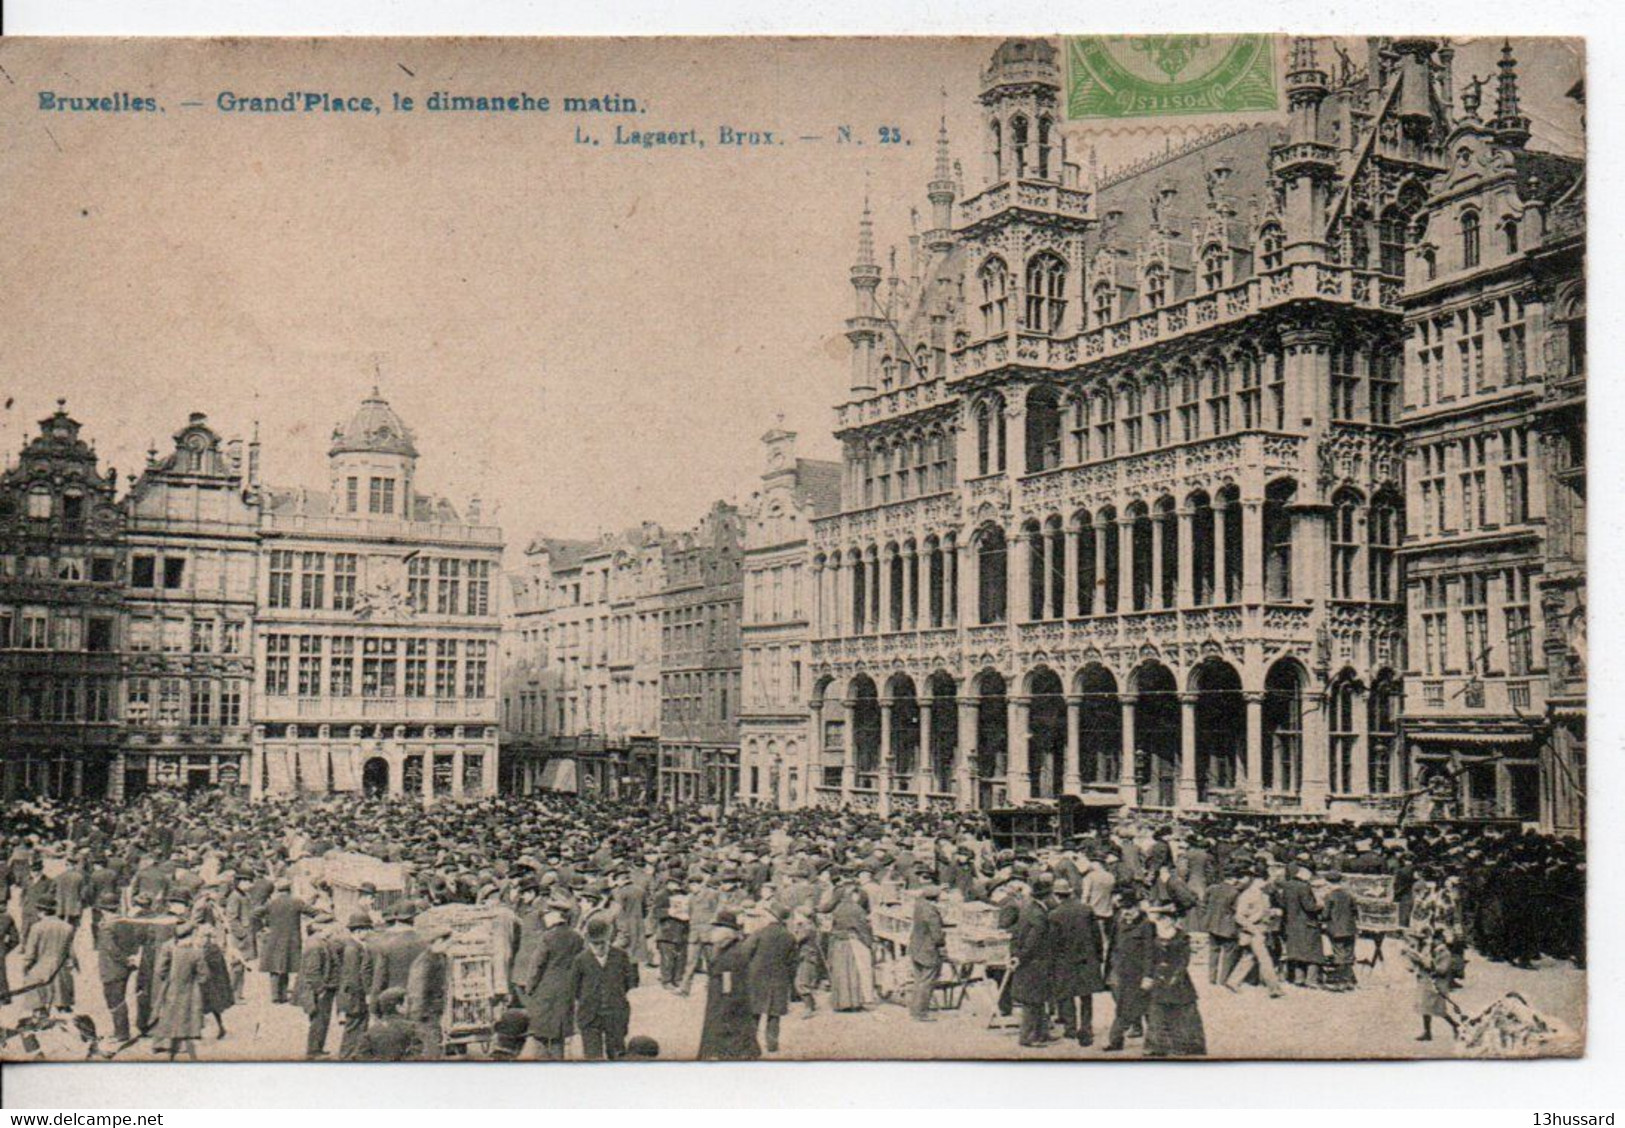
pixel 1123 495
pixel 376 645
pixel 62 569
pixel 193 542
pixel 1494 425
pixel 700 661
pixel 775 731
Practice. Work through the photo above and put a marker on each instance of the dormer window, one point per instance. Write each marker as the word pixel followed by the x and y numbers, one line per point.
pixel 1103 303
pixel 1156 287
pixel 994 277
pixel 1271 242
pixel 1213 268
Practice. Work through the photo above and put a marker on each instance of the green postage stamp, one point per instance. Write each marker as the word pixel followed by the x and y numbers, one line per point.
pixel 1122 76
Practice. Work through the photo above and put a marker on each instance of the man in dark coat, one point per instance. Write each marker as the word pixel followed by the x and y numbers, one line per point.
pixel 671 934
pixel 428 987
pixel 550 995
pixel 771 973
pixel 318 986
pixel 390 1037
pixel 1301 950
pixel 283 920
pixel 118 947
pixel 602 977
pixel 1074 964
pixel 1029 969
pixel 729 1031
pixel 1131 957
pixel 1339 919
pixel 355 983
pixel 1219 922
pixel 927 949
pixel 391 954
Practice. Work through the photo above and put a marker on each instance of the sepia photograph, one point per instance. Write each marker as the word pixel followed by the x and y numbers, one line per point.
pixel 718 549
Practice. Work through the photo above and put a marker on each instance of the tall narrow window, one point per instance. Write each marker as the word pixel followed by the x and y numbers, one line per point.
pixel 995 282
pixel 1270 244
pixel 1213 268
pixel 1469 239
pixel 1046 293
pixel 1156 287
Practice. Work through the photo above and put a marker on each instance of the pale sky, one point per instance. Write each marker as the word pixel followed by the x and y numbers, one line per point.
pixel 587 337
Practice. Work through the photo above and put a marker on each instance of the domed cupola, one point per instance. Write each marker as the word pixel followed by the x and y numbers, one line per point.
pixel 372 462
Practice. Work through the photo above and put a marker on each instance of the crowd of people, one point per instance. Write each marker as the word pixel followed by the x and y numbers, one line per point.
pixel 185 898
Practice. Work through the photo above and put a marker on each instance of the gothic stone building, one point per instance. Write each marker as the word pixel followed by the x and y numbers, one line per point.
pixel 1122 497
pixel 378 629
pixel 61 617
pixel 1494 426
pixel 192 531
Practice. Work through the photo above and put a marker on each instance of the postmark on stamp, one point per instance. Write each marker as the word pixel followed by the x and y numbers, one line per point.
pixel 1121 76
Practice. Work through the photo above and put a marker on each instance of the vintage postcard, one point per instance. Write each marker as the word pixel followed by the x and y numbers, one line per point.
pixel 1045 548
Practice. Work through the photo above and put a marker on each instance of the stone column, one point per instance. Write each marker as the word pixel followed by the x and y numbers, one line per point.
pixel 911 590
pixel 1097 583
pixel 924 759
pixel 883 618
pixel 1185 596
pixel 396 786
pixel 1221 578
pixel 1016 780
pixel 1185 794
pixel 1360 773
pixel 849 754
pixel 1126 787
pixel 1074 565
pixel 1071 777
pixel 1125 565
pixel 1018 599
pixel 1312 787
pixel 457 774
pixel 970 588
pixel 964 782
pixel 1252 551
pixel 1255 748
pixel 1159 549
pixel 885 757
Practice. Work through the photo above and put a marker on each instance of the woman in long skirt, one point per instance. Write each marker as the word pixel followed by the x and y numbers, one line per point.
pixel 1173 1020
pixel 851 954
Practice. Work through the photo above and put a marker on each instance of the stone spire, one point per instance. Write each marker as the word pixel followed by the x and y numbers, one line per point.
pixel 940 238
pixel 863 328
pixel 1511 127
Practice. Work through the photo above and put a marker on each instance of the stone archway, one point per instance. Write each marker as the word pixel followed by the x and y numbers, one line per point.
pixel 375 777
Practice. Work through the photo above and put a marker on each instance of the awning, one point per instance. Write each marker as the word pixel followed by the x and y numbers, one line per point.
pixel 1478 739
pixel 559 775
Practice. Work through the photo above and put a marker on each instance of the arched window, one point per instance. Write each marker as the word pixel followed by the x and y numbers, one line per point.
pixel 1081 415
pixel 1391 243
pixel 1270 244
pixel 1469 239
pixel 1509 235
pixel 1129 397
pixel 1251 409
pixel 1218 398
pixel 990 570
pixel 1103 303
pixel 1345 544
pixel 1018 142
pixel 883 474
pixel 1345 737
pixel 1190 405
pixel 1360 241
pixel 869 457
pixel 1043 430
pixel 888 373
pixel 1044 128
pixel 1382 537
pixel 996 143
pixel 1430 263
pixel 1212 267
pixel 1156 286
pixel 1278 540
pixel 1283 728
pixel 1161 432
pixel 995 279
pixel 1105 425
pixel 1382 737
pixel 922 362
pixel 990 436
pixel 1046 293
